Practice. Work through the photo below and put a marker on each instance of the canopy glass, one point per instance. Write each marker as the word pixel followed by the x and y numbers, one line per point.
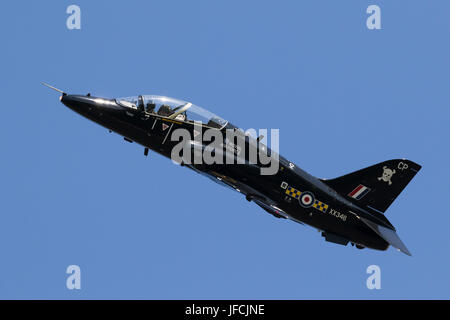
pixel 174 109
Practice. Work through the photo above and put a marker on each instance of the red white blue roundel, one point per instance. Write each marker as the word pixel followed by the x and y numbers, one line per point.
pixel 306 200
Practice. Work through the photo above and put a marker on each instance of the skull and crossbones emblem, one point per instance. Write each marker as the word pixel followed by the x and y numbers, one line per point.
pixel 387 175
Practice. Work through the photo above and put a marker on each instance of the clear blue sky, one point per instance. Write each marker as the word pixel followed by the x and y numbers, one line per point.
pixel 141 227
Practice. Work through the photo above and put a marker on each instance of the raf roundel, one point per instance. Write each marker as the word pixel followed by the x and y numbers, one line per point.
pixel 306 200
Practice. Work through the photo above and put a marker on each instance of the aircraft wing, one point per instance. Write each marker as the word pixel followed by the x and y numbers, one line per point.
pixel 271 207
pixel 262 201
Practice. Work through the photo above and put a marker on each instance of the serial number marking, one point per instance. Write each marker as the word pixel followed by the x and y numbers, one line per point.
pixel 337 214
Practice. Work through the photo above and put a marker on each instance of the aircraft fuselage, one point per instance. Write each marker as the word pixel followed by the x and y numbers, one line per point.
pixel 289 193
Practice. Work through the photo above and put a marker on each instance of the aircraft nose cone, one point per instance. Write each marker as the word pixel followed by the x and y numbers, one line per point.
pixel 90 107
pixel 76 102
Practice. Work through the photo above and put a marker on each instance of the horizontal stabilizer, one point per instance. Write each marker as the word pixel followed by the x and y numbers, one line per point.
pixel 387 234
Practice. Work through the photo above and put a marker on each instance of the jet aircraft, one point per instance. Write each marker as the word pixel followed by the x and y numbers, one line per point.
pixel 347 209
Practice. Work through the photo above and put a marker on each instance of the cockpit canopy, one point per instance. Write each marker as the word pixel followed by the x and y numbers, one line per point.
pixel 174 109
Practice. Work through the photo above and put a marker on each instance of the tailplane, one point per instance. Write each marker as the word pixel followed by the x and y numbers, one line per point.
pixel 389 235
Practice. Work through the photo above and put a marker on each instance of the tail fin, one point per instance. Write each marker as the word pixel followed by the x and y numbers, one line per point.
pixel 376 187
